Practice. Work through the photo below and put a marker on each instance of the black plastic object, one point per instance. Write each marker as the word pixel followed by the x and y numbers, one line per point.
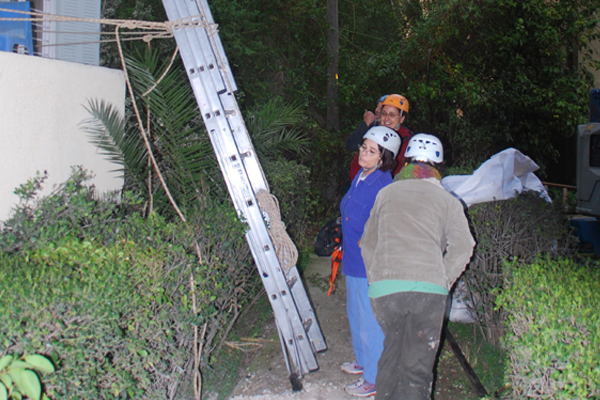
pixel 329 238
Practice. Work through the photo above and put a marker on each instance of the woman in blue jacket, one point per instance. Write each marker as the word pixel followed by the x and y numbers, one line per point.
pixel 377 158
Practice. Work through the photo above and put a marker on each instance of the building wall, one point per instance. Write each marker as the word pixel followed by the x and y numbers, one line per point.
pixel 41 107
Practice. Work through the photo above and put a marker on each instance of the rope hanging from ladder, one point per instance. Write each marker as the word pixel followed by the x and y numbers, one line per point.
pixel 284 247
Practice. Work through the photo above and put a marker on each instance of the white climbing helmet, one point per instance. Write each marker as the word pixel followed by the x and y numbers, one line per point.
pixel 425 147
pixel 385 137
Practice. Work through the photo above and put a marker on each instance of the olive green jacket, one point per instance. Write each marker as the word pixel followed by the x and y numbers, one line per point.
pixel 417 231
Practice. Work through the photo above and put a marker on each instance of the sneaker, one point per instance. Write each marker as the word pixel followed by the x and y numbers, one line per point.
pixel 352 368
pixel 361 388
pixel 356 384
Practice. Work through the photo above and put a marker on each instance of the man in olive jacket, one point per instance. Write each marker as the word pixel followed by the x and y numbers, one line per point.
pixel 415 245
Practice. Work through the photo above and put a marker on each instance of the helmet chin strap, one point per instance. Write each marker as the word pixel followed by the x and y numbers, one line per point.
pixel 369 170
pixel 400 121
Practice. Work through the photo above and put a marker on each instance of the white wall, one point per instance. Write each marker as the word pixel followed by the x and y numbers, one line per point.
pixel 41 106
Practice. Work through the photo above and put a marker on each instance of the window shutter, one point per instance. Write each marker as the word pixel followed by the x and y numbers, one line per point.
pixel 85 34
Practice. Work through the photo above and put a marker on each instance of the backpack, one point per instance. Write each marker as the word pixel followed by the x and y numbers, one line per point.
pixel 329 238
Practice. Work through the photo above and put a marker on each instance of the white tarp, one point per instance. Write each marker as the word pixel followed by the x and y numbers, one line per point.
pixel 498 178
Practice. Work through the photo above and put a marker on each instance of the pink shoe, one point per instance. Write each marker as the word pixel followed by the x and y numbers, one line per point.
pixel 352 368
pixel 361 388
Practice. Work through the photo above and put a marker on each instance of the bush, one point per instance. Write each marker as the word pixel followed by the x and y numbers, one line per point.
pixel 290 183
pixel 554 334
pixel 101 313
pixel 105 293
pixel 521 228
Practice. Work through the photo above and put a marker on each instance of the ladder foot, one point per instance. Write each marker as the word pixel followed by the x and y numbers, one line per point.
pixel 296 384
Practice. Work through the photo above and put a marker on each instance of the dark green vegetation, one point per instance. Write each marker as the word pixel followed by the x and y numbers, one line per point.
pixel 107 293
pixel 482 75
pixel 553 329
pixel 520 228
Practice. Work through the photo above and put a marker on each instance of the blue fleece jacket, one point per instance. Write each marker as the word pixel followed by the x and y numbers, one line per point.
pixel 356 208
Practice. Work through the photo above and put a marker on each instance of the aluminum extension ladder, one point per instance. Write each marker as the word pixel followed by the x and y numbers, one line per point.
pixel 209 73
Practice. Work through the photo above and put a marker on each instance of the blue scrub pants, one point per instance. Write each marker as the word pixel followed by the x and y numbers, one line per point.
pixel 367 336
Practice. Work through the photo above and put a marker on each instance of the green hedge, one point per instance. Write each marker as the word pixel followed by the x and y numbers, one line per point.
pixel 104 292
pixel 554 329
pixel 97 312
pixel 522 227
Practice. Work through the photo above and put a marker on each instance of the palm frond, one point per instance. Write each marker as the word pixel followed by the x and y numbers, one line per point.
pixel 102 126
pixel 107 129
pixel 272 129
pixel 178 136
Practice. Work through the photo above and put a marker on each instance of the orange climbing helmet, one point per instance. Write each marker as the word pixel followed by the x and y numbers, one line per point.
pixel 398 101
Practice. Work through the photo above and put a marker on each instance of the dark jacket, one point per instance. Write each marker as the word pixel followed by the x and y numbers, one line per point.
pixel 418 232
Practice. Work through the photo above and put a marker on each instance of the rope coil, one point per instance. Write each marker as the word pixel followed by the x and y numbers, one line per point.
pixel 284 247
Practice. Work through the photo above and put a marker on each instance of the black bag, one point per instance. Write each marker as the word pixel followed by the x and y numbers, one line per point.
pixel 329 238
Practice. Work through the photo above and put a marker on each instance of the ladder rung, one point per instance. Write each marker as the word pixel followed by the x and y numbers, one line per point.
pixel 307 324
pixel 292 281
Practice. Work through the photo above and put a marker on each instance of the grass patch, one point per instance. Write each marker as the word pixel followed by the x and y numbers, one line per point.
pixel 488 361
pixel 223 374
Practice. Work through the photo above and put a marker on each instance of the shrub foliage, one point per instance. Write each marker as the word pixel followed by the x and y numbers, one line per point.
pixel 106 293
pixel 290 182
pixel 519 228
pixel 554 335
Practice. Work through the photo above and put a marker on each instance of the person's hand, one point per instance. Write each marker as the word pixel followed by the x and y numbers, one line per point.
pixel 368 117
pixel 359 240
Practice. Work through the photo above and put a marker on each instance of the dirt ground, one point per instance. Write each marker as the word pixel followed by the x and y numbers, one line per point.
pixel 266 375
